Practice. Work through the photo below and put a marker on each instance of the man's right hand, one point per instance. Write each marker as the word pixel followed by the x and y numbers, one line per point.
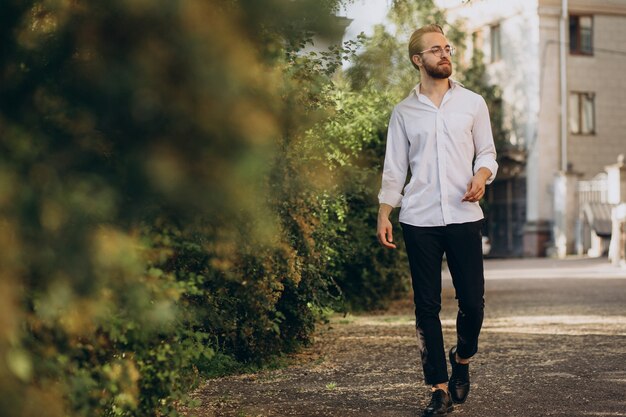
pixel 385 229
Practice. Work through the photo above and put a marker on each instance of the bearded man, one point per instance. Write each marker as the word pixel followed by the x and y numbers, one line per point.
pixel 442 133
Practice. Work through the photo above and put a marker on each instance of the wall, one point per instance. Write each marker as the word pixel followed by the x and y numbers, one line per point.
pixel 602 73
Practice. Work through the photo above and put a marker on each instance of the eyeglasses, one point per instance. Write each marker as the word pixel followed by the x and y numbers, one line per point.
pixel 438 50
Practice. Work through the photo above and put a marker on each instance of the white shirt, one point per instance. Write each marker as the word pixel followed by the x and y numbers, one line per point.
pixel 438 145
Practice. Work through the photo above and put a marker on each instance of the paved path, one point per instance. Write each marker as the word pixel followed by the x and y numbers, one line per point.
pixel 553 344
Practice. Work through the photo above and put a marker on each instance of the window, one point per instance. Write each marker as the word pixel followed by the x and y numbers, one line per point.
pixel 581 35
pixel 496 50
pixel 582 113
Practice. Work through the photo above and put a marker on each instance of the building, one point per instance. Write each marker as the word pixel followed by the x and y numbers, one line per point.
pixel 548 56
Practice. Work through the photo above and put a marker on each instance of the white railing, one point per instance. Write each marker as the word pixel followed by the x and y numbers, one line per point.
pixel 595 190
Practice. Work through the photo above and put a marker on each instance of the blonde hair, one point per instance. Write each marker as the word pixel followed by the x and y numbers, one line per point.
pixel 415 43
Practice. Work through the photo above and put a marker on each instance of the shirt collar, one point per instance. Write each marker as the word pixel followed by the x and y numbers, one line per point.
pixel 453 83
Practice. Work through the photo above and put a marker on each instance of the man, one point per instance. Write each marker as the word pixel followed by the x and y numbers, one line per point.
pixel 442 132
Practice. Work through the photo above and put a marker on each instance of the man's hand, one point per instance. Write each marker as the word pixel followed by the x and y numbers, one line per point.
pixel 476 186
pixel 385 229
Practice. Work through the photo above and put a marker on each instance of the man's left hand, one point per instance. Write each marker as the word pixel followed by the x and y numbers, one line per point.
pixel 476 187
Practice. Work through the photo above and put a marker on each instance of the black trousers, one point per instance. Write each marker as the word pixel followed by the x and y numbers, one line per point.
pixel 462 244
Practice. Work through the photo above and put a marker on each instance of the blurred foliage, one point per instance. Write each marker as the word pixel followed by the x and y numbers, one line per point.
pixel 184 192
pixel 163 214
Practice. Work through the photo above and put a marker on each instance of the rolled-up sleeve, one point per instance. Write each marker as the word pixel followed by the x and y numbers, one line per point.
pixel 483 141
pixel 396 162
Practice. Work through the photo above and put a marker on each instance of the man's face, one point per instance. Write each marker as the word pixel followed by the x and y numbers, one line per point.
pixel 435 66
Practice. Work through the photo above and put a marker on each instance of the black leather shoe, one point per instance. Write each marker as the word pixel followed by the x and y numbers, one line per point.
pixel 440 404
pixel 459 384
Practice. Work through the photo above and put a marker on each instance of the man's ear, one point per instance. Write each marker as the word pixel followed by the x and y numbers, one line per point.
pixel 417 60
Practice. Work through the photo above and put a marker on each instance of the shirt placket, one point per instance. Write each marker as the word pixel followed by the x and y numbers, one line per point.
pixel 441 166
pixel 442 158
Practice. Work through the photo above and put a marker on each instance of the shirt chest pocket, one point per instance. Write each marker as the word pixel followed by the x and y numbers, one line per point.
pixel 458 127
pixel 459 124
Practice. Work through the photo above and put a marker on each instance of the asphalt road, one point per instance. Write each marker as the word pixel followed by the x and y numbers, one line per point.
pixel 553 344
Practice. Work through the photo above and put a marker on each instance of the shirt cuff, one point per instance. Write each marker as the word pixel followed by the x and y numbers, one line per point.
pixel 491 166
pixel 392 198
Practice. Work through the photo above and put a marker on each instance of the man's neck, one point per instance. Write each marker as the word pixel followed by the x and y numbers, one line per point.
pixel 434 86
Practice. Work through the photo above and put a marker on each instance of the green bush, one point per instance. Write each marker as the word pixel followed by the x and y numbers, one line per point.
pixel 354 142
pixel 138 237
pixel 183 194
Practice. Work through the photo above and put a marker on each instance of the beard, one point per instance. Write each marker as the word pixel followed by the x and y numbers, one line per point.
pixel 438 71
